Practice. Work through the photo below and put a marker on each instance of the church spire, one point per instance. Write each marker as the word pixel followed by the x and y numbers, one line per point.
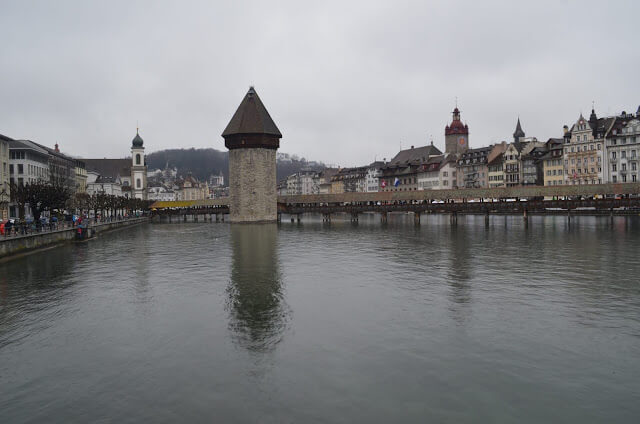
pixel 518 133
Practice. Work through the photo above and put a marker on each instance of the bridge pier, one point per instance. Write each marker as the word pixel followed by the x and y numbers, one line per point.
pixel 568 214
pixel 292 219
pixel 486 218
pixel 185 217
pixel 454 217
pixel 217 217
pixel 326 217
pixel 354 217
pixel 195 217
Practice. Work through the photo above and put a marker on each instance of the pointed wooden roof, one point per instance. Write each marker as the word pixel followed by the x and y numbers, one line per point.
pixel 518 132
pixel 251 118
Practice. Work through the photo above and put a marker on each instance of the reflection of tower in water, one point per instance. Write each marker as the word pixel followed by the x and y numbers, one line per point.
pixel 258 312
pixel 459 251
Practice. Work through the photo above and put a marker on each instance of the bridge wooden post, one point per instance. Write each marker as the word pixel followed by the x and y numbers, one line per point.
pixel 454 217
pixel 569 214
pixel 524 215
pixel 354 216
pixel 185 217
pixel 279 219
pixel 383 217
pixel 416 218
pixel 217 217
pixel 486 218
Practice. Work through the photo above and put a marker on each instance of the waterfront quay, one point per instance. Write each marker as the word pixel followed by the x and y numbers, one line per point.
pixel 28 239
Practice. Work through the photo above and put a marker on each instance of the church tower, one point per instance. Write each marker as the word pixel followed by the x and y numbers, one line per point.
pixel 518 134
pixel 252 139
pixel 456 135
pixel 138 168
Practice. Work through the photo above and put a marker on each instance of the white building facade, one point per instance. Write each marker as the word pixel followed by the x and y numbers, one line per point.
pixel 623 150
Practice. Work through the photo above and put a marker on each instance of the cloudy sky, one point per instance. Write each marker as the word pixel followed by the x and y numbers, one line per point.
pixel 345 81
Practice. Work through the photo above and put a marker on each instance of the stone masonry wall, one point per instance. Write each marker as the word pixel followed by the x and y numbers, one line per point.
pixel 252 185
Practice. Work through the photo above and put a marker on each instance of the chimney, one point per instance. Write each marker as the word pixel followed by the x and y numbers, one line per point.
pixel 565 129
pixel 56 148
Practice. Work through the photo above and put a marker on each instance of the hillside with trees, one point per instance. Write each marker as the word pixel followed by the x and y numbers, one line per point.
pixel 202 163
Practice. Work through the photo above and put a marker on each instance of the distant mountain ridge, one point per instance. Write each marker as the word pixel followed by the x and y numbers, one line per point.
pixel 202 163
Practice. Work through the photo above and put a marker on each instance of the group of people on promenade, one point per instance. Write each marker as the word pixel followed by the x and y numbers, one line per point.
pixel 22 227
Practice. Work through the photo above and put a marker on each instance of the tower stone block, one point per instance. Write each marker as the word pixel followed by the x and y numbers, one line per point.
pixel 252 185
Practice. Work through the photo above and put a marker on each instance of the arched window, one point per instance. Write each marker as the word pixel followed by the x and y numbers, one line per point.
pixel 138 183
pixel 138 159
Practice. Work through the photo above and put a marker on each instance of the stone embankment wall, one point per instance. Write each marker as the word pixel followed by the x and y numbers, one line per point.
pixel 252 180
pixel 16 245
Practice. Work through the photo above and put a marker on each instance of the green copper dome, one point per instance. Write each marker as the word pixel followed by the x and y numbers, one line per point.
pixel 137 140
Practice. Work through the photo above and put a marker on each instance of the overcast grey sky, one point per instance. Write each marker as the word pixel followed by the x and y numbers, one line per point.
pixel 345 81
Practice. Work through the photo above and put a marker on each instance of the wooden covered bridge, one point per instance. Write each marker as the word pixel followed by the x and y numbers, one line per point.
pixel 609 199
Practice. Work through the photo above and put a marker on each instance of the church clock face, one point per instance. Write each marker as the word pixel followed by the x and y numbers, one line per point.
pixel 462 141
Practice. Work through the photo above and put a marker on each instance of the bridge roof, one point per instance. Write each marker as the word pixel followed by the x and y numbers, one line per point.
pixel 181 204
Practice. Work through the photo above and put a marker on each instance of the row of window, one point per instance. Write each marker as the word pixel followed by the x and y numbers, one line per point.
pixel 623 154
pixel 623 167
pixel 586 171
pixel 623 178
pixel 629 140
pixel 575 149
pixel 581 160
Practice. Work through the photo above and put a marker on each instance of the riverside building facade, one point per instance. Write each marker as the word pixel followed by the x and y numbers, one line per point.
pixel 5 189
pixel 584 150
pixel 552 163
pixel 623 149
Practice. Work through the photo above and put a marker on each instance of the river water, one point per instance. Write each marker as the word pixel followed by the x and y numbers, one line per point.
pixel 339 322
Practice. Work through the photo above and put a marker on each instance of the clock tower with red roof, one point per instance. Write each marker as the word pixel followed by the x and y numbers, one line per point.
pixel 456 135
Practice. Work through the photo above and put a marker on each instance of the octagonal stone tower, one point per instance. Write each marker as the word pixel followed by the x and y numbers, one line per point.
pixel 252 139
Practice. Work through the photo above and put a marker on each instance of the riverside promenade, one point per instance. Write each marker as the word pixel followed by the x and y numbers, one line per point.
pixel 21 243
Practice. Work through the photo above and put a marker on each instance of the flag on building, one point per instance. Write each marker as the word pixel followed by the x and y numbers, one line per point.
pixel 383 184
pixel 396 182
